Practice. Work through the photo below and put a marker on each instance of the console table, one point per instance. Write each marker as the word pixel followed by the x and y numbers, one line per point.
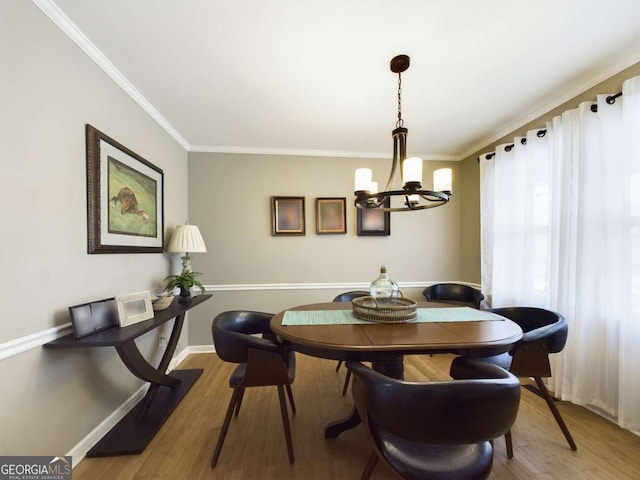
pixel 134 432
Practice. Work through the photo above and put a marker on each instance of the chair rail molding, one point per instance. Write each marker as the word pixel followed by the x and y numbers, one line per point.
pixel 248 287
pixel 22 344
pixel 19 345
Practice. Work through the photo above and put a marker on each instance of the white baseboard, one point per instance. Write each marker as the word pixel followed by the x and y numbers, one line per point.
pixel 79 451
pixel 200 349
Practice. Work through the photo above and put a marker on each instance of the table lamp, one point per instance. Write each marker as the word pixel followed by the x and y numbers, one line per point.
pixel 186 238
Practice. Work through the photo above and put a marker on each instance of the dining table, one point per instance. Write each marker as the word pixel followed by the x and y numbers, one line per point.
pixel 330 330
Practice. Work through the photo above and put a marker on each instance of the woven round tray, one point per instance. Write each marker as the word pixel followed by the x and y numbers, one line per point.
pixel 397 310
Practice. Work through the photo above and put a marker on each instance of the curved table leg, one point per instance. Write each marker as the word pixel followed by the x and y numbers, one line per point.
pixel 138 365
pixel 389 365
pixel 137 428
pixel 334 429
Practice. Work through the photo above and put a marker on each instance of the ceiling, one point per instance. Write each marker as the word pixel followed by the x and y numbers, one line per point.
pixel 312 77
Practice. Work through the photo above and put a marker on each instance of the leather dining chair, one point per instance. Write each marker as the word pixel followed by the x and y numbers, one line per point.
pixel 438 429
pixel 347 297
pixel 453 292
pixel 263 361
pixel 545 332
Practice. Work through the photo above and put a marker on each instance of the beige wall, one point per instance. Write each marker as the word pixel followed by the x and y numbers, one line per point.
pixel 49 89
pixel 229 199
pixel 470 225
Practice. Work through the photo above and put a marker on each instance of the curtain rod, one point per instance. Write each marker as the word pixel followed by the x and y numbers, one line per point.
pixel 611 99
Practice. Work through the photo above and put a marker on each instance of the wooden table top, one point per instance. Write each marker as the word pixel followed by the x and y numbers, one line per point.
pixel 360 341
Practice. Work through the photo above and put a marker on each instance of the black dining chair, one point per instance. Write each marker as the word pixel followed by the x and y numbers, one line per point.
pixel 545 332
pixel 347 297
pixel 440 429
pixel 263 361
pixel 453 293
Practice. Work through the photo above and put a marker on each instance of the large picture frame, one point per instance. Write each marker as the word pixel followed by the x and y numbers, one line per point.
pixel 331 215
pixel 125 198
pixel 374 222
pixel 287 216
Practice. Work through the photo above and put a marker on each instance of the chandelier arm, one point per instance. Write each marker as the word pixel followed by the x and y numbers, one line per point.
pixel 410 209
pixel 399 154
pixel 375 200
pixel 430 196
pixel 394 165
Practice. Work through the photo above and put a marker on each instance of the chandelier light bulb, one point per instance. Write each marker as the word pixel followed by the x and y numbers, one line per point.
pixel 442 181
pixel 363 180
pixel 412 170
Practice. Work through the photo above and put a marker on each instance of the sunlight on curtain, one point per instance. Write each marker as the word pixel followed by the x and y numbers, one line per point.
pixel 521 210
pixel 563 233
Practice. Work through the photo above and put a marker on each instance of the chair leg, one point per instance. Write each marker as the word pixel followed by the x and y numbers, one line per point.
pixel 290 395
pixel 346 383
pixel 339 365
pixel 507 440
pixel 285 422
pixel 369 467
pixel 556 413
pixel 225 426
pixel 239 402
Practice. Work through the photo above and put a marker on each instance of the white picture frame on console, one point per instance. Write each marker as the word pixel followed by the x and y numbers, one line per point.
pixel 134 308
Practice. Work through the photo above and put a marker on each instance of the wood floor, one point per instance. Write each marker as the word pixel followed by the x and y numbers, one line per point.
pixel 255 447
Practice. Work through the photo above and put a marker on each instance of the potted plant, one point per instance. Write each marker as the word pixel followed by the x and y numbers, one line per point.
pixel 185 281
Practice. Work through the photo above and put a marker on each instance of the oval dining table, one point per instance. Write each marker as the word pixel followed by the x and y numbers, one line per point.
pixel 386 344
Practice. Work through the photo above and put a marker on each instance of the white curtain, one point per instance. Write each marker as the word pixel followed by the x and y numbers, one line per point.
pixel 561 230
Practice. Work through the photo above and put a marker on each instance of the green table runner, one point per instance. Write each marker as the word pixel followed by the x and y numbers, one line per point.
pixel 345 317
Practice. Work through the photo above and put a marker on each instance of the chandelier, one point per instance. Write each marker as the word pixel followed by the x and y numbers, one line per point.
pixel 415 198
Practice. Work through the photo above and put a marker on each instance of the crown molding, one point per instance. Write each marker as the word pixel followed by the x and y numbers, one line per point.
pixel 74 33
pixel 545 108
pixel 309 153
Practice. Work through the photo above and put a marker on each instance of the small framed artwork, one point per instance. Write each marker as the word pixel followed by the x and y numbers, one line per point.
pixel 373 221
pixel 287 216
pixel 134 308
pixel 125 198
pixel 331 215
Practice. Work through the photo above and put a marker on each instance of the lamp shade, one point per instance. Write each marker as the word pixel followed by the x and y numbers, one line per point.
pixel 187 238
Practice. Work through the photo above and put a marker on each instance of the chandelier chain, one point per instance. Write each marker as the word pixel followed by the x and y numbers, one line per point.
pixel 400 122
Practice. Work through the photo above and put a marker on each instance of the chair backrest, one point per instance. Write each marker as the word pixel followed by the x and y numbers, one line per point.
pixel 233 334
pixel 538 323
pixel 453 292
pixel 348 296
pixel 480 407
